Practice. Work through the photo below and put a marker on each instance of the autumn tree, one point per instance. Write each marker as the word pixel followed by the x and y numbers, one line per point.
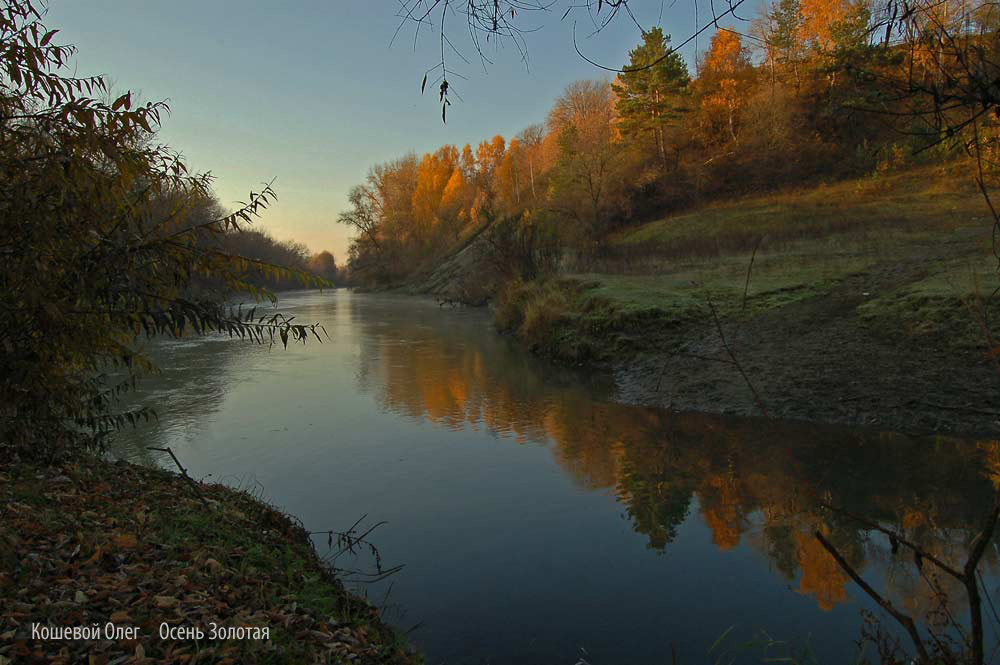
pixel 852 32
pixel 587 180
pixel 488 158
pixel 439 199
pixel 489 155
pixel 364 217
pixel 724 82
pixel 518 180
pixel 531 144
pixel 381 213
pixel 819 22
pixel 324 265
pixel 393 185
pixel 100 244
pixel 779 30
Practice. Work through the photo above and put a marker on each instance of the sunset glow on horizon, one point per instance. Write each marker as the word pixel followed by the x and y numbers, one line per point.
pixel 313 95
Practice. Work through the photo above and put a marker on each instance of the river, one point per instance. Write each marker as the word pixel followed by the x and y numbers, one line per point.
pixel 537 520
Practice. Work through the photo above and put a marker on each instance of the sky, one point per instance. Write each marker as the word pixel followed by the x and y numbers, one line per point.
pixel 311 94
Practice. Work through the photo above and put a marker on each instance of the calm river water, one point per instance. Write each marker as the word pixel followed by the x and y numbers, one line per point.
pixel 541 523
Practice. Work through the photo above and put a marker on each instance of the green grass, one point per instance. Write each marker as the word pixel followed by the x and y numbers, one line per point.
pixel 950 304
pixel 680 289
pixel 807 242
pixel 776 279
pixel 922 235
pixel 962 277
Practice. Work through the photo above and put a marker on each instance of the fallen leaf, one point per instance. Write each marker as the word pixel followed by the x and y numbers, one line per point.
pixel 165 602
pixel 126 541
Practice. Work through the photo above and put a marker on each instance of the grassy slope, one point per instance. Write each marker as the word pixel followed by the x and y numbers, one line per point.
pixel 926 199
pixel 865 306
pixel 87 542
pixel 810 242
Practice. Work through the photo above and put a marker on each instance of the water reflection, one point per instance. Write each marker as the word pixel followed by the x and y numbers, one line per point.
pixel 748 479
pixel 191 385
pixel 755 486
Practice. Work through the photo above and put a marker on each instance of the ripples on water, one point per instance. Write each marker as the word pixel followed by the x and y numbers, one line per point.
pixel 540 522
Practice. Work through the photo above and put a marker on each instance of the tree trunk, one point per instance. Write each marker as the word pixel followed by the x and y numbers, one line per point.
pixel 658 130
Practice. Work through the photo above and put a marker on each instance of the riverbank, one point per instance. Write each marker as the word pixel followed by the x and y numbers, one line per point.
pixel 860 303
pixel 87 543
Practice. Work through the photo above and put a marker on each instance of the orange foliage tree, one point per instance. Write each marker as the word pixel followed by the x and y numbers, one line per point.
pixel 724 81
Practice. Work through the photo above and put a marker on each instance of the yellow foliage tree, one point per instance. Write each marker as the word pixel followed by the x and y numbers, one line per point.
pixel 433 174
pixel 819 18
pixel 724 83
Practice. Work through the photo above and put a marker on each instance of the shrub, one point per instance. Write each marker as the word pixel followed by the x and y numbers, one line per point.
pixel 522 247
pixel 102 236
pixel 551 305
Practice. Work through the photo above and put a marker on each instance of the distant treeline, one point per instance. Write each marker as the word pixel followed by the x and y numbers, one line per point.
pixel 290 259
pixel 261 245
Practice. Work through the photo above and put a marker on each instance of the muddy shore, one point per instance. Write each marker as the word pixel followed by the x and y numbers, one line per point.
pixel 826 359
pixel 835 373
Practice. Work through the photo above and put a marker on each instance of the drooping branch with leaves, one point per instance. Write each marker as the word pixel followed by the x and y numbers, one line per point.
pixel 103 239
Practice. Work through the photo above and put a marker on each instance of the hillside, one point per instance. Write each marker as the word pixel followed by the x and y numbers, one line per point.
pixel 865 304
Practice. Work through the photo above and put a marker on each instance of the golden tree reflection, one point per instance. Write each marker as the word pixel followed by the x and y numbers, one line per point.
pixel 758 484
pixel 821 575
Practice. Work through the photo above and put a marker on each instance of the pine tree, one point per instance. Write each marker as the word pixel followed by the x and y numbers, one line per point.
pixel 650 89
pixel 784 21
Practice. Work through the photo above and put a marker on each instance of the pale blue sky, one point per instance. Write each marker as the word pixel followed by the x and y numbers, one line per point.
pixel 310 93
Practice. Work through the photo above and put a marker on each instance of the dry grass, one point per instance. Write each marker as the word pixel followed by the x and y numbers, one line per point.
pixel 534 310
pixel 915 201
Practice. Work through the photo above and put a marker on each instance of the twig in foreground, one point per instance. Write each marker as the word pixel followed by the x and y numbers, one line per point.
pixel 191 481
pixel 732 356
